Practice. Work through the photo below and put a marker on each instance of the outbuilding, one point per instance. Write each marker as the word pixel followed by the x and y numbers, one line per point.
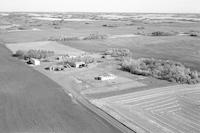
pixel 79 64
pixel 56 68
pixel 105 76
pixel 33 61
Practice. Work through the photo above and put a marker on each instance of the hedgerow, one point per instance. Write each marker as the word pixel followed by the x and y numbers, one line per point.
pixel 95 37
pixel 160 33
pixel 37 54
pixel 118 52
pixel 85 59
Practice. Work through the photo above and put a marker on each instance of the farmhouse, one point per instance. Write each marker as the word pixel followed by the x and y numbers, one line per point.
pixel 105 76
pixel 33 61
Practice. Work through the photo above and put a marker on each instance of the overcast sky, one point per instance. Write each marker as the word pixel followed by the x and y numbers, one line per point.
pixel 166 6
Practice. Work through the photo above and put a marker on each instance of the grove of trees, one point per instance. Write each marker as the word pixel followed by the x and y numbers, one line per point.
pixel 161 69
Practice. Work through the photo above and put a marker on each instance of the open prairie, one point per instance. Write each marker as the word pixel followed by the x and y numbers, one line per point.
pixel 183 48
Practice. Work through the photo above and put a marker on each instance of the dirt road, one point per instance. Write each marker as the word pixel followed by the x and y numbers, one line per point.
pixel 30 102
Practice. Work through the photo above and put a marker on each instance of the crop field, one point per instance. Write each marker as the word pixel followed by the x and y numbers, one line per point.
pixel 169 109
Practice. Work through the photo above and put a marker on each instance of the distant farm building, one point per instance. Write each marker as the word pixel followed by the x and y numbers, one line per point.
pixel 77 64
pixel 56 68
pixel 60 58
pixel 72 56
pixel 33 61
pixel 105 76
pixel 63 57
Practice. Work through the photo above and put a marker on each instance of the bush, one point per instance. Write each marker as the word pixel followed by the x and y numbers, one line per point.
pixel 90 37
pixel 95 37
pixel 160 33
pixel 22 28
pixel 109 25
pixel 37 54
pixel 161 69
pixel 140 28
pixel 193 33
pixel 64 38
pixel 19 54
pixel 86 59
pixel 117 52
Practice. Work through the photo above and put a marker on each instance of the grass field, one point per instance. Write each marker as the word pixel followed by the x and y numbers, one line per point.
pixel 92 86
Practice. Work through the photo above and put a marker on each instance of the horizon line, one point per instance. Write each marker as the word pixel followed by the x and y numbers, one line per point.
pixel 99 12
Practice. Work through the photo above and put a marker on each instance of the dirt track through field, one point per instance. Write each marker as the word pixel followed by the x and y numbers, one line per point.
pixel 30 102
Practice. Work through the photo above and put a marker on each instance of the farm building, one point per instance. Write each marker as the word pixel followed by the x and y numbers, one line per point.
pixel 77 64
pixel 105 76
pixel 72 56
pixel 56 68
pixel 62 57
pixel 33 61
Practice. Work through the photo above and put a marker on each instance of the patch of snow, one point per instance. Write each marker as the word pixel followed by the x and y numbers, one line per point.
pixel 47 18
pixel 58 19
pixel 34 15
pixel 36 29
pixel 33 29
pixel 4 14
pixel 8 26
pixel 113 16
pixel 78 19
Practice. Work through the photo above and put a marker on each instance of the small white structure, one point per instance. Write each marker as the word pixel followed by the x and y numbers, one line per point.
pixel 105 76
pixel 34 61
